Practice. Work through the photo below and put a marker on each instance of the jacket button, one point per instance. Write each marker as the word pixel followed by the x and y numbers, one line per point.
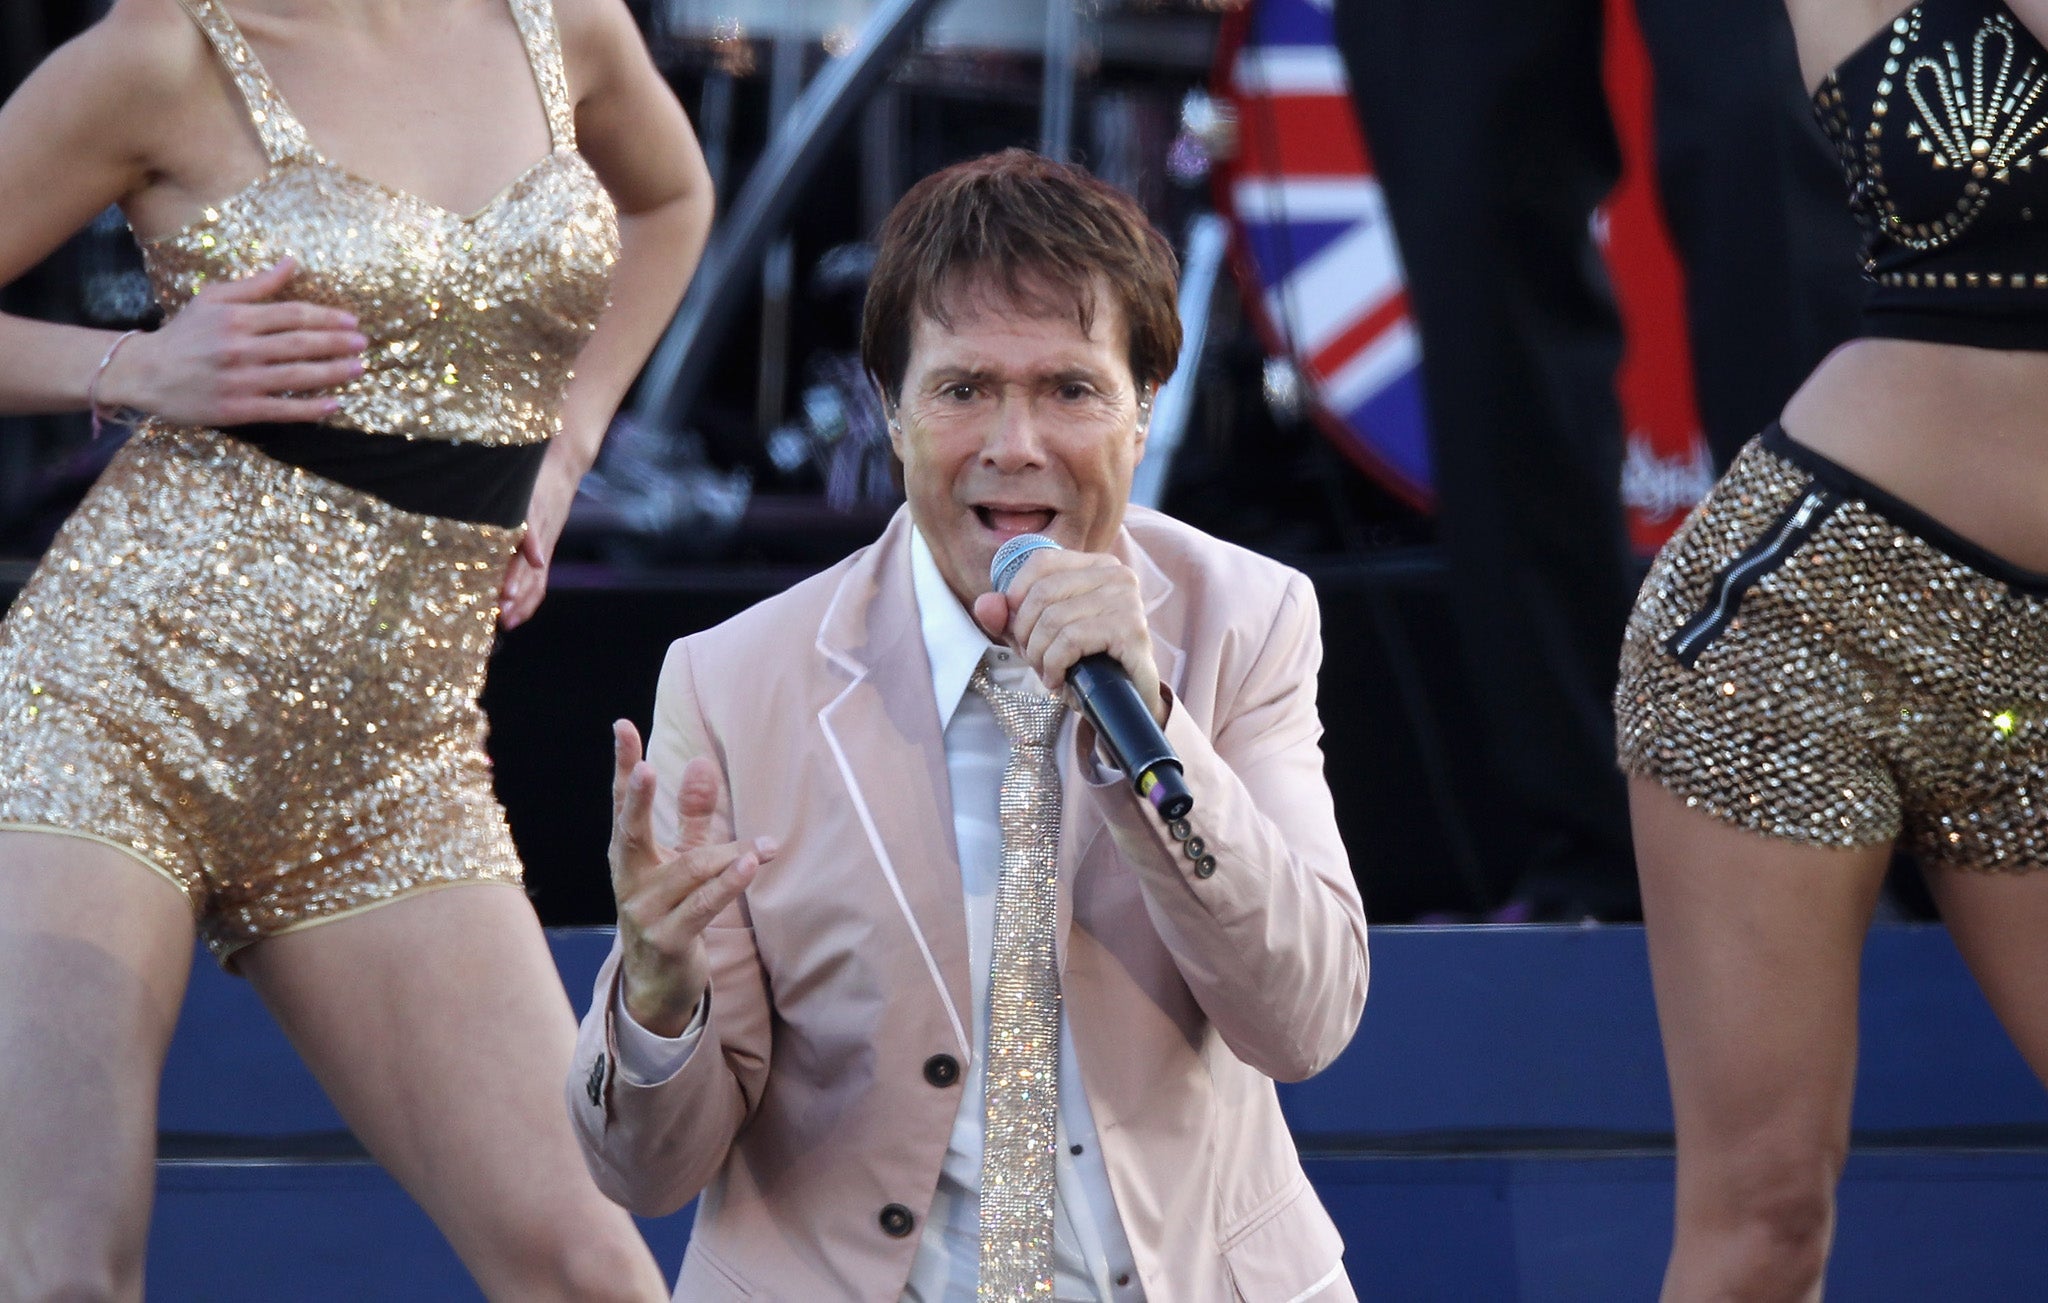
pixel 896 1220
pixel 942 1070
pixel 1205 867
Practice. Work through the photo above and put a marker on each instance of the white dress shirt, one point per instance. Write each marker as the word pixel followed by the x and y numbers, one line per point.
pixel 1092 1258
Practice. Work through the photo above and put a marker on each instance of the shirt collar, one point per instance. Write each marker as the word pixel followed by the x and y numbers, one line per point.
pixel 953 643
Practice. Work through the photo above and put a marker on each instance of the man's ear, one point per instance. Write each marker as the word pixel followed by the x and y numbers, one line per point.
pixel 892 404
pixel 893 414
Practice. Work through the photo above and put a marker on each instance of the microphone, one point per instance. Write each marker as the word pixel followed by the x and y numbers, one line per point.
pixel 1112 705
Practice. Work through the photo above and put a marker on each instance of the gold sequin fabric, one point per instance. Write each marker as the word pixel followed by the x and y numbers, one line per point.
pixel 258 683
pixel 474 320
pixel 1814 660
pixel 1021 1090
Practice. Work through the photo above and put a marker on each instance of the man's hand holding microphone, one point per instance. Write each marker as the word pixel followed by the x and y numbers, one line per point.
pixel 1078 617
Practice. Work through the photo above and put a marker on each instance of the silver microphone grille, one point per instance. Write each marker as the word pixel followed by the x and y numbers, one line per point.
pixel 1010 557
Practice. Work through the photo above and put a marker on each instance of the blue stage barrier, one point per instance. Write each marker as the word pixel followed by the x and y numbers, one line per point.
pixel 1498 1130
pixel 1541 1029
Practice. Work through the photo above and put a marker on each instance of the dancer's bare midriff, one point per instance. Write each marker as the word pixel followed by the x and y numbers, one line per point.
pixel 1959 432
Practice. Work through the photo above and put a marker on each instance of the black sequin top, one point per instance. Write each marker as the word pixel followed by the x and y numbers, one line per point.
pixel 1941 123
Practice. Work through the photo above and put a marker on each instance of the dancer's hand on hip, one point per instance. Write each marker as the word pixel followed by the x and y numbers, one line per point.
pixel 237 353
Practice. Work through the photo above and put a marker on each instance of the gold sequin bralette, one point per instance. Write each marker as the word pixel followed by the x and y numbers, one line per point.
pixel 474 321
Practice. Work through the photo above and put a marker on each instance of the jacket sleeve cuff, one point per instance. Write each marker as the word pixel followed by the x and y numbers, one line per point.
pixel 644 1059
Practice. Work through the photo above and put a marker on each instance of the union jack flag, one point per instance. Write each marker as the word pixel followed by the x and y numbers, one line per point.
pixel 1316 254
pixel 1314 245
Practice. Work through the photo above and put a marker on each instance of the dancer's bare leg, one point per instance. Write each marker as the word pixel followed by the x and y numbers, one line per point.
pixel 95 950
pixel 2000 923
pixel 440 1029
pixel 1755 949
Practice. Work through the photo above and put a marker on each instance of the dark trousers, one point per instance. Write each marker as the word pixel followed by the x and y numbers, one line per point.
pixel 1488 124
pixel 1756 206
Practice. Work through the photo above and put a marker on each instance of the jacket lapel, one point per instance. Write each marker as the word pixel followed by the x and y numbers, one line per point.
pixel 883 731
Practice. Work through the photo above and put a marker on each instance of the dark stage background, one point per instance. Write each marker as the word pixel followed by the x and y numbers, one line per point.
pixel 1416 764
pixel 1410 793
pixel 1391 700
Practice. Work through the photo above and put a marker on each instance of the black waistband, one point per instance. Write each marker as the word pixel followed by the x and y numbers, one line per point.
pixel 1904 514
pixel 479 483
pixel 1957 322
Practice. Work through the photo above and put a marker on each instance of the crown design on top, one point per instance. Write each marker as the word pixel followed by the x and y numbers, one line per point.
pixel 1985 123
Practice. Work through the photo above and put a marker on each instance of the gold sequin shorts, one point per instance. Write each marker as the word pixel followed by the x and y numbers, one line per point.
pixel 1813 659
pixel 259 683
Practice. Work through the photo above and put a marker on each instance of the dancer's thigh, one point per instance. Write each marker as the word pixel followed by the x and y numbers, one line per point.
pixel 2000 923
pixel 1755 950
pixel 95 950
pixel 439 1026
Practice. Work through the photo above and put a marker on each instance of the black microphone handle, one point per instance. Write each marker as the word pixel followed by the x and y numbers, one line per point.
pixel 1133 737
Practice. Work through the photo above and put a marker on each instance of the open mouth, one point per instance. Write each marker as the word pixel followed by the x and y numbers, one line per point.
pixel 1012 521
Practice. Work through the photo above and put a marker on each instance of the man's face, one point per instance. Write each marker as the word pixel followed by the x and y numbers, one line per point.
pixel 1015 422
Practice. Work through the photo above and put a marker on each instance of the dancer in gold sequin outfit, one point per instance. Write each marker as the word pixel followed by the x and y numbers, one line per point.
pixel 240 693
pixel 1845 648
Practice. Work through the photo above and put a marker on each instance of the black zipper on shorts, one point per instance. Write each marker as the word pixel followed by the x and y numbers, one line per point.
pixel 1757 560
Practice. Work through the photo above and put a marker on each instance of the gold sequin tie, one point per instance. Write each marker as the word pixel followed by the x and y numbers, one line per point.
pixel 1021 1103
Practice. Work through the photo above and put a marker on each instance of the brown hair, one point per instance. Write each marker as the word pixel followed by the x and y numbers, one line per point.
pixel 1041 232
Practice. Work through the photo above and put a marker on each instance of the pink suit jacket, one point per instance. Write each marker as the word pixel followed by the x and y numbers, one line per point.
pixel 815 1112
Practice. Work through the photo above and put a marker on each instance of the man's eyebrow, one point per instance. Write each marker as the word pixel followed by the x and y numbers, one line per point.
pixel 953 374
pixel 1070 374
pixel 1054 375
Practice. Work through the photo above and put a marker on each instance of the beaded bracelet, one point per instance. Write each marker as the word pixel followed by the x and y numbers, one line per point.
pixel 100 411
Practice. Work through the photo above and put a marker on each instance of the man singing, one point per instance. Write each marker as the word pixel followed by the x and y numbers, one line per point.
pixel 911 984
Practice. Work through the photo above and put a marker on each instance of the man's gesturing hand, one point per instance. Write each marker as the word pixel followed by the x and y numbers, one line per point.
pixel 668 895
